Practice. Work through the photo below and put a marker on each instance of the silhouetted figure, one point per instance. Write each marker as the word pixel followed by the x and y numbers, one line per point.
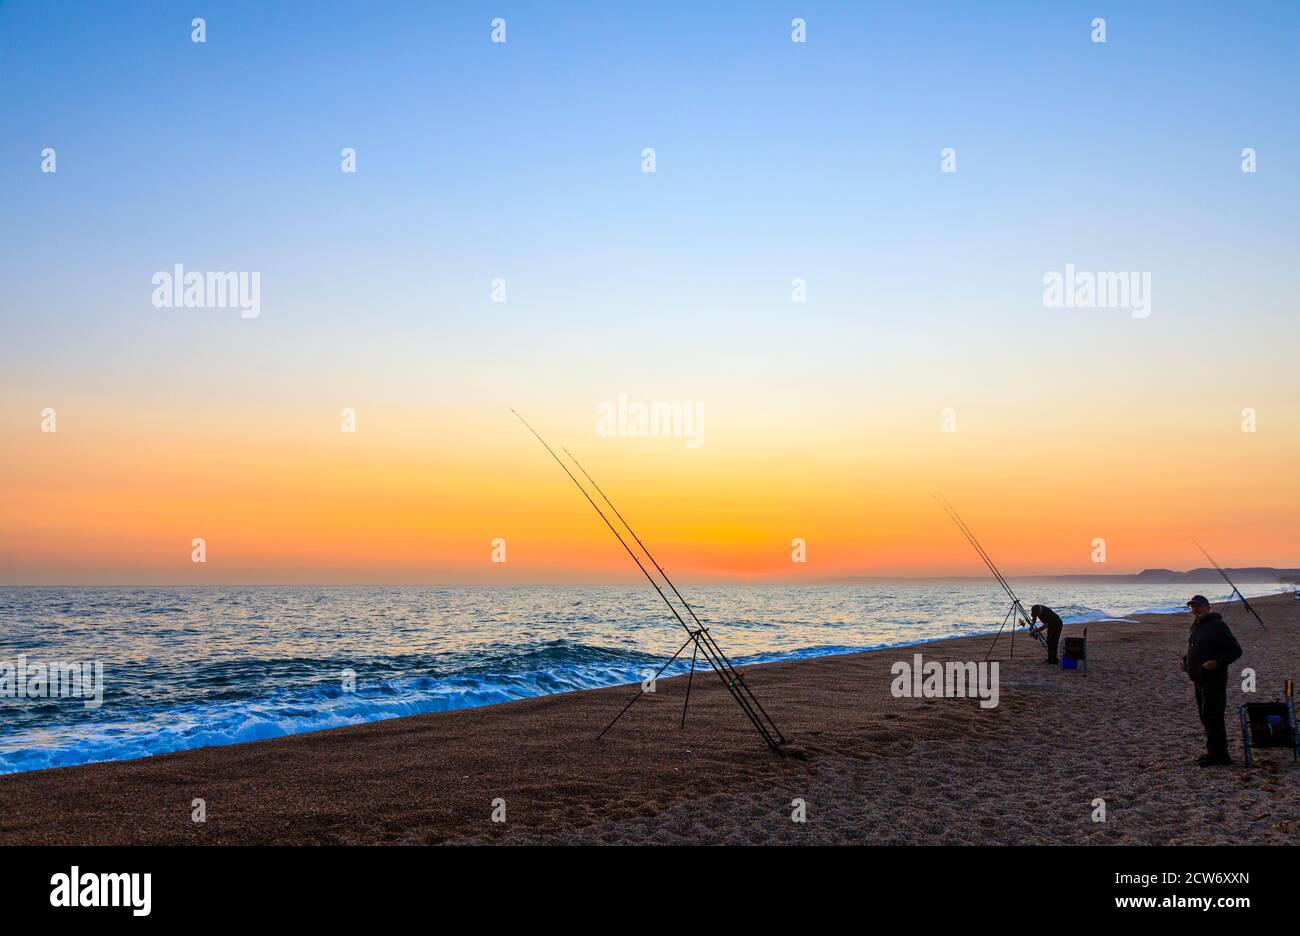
pixel 1211 648
pixel 1051 622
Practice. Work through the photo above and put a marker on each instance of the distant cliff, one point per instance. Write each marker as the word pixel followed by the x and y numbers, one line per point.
pixel 1249 575
pixel 1252 574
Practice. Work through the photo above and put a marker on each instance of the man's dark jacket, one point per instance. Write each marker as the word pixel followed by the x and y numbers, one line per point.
pixel 1210 639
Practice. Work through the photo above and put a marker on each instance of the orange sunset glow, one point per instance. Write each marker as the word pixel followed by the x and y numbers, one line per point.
pixel 95 504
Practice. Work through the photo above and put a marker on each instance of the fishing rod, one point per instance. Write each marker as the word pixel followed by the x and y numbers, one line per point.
pixel 706 637
pixel 1017 607
pixel 970 537
pixel 1235 590
pixel 694 635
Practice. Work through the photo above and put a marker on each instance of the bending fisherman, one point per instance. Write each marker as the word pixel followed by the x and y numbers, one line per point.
pixel 1051 622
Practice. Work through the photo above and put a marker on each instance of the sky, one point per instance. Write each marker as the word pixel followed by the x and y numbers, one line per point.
pixel 923 357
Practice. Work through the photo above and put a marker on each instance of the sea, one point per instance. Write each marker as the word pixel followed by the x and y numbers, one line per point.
pixel 185 668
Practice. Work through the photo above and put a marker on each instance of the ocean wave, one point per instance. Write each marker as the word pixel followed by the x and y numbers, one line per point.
pixel 1168 609
pixel 550 668
pixel 435 684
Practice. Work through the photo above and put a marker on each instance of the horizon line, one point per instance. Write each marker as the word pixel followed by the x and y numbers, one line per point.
pixel 822 581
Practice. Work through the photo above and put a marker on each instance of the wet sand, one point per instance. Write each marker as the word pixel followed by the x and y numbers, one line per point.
pixel 870 768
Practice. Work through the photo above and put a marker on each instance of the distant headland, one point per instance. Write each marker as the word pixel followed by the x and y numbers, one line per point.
pixel 1252 575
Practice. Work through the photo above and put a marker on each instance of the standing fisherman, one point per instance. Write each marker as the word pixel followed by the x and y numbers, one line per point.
pixel 1052 624
pixel 1211 648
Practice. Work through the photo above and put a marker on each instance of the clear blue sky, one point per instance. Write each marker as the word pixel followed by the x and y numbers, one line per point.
pixel 480 160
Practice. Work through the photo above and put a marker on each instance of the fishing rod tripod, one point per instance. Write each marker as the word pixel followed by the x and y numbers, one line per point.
pixel 696 636
pixel 705 645
pixel 693 639
pixel 1016 606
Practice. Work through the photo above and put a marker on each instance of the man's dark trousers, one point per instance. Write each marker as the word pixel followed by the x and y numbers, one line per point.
pixel 1212 702
pixel 1053 641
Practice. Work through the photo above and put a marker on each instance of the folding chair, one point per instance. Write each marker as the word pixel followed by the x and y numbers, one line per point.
pixel 1270 725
